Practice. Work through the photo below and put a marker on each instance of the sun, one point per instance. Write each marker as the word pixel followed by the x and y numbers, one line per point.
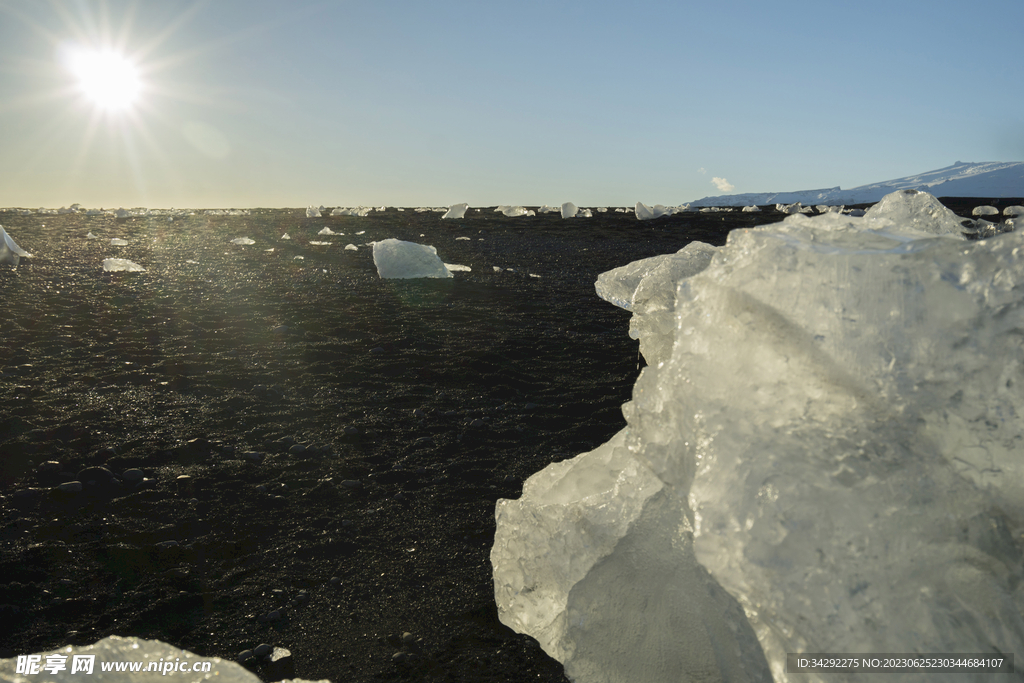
pixel 108 79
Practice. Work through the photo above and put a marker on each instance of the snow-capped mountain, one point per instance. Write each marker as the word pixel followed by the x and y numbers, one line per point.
pixel 986 179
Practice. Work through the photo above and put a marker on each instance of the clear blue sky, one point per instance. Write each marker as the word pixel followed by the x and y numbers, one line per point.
pixel 248 103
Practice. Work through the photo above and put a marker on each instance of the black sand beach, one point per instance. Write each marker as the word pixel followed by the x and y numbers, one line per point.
pixel 322 449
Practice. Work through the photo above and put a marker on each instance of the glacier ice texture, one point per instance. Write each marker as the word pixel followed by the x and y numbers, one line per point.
pixel 117 649
pixel 398 259
pixel 827 457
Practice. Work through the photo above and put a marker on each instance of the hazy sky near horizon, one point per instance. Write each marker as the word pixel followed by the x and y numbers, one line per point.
pixel 246 103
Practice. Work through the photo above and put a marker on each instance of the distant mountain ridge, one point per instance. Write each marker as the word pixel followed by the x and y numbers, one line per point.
pixel 962 179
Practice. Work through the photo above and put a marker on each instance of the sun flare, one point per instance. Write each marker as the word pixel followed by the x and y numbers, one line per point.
pixel 108 79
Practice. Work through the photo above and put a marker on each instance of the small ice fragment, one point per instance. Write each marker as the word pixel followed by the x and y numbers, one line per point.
pixel 985 211
pixel 496 269
pixel 312 212
pixel 286 236
pixel 351 247
pixel 363 231
pixel 271 249
pixel 327 231
pixel 461 238
pixel 243 240
pixel 112 265
pixel 322 244
pixel 118 242
pixel 298 258
pixel 456 266
pixel 90 236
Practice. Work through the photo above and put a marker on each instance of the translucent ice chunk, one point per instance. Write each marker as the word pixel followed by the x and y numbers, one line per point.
pixel 400 259
pixel 985 211
pixel 242 241
pixel 326 231
pixel 833 438
pixel 456 211
pixel 10 252
pixel 916 210
pixel 312 212
pixel 569 210
pixel 118 242
pixel 455 267
pixel 112 265
pixel 645 213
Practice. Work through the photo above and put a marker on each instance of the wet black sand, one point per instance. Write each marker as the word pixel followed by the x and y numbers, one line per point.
pixel 420 403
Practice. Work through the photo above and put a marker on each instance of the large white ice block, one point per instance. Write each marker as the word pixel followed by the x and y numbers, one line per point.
pixel 569 210
pixel 399 259
pixel 114 650
pixel 835 438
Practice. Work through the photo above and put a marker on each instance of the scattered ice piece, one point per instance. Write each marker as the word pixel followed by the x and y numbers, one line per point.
pixel 569 210
pixel 268 250
pixel 456 267
pixel 985 210
pixel 327 231
pixel 1013 211
pixel 516 211
pixel 361 232
pixel 496 269
pixel 361 211
pixel 533 275
pixel 286 236
pixel 646 213
pixel 298 258
pixel 10 252
pixel 400 259
pixel 243 240
pixel 751 209
pixel 549 209
pixel 118 242
pixel 461 238
pixel 194 263
pixel 351 247
pixel 312 212
pixel 112 265
pixel 321 244
pixel 602 209
pixel 90 236
pixel 456 211
pixel 585 213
